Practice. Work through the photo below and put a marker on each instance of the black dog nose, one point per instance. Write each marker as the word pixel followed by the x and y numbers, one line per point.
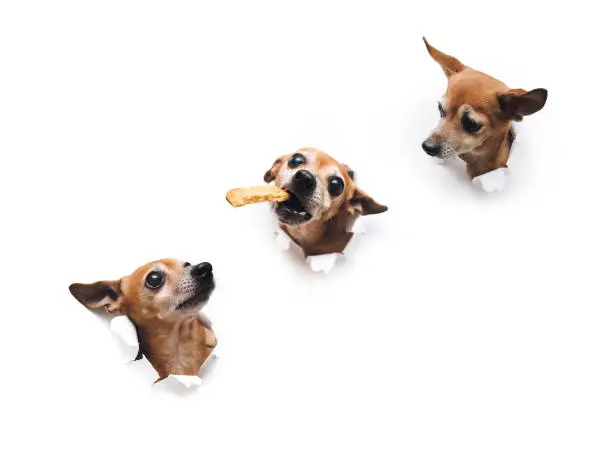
pixel 431 148
pixel 304 182
pixel 201 270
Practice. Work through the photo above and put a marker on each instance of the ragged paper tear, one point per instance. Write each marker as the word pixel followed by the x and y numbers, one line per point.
pixel 126 338
pixel 324 262
pixel 125 331
pixel 168 330
pixel 187 380
pixel 126 335
pixel 282 240
pixel 358 227
pixel 493 181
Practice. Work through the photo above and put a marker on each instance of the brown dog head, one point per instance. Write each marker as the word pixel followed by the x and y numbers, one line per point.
pixel 319 189
pixel 476 109
pixel 162 289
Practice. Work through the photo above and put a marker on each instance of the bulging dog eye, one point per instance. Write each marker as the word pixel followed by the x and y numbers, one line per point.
pixel 470 125
pixel 154 280
pixel 441 109
pixel 335 186
pixel 297 160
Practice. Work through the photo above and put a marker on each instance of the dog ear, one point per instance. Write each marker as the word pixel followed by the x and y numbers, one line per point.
pixel 364 204
pixel 271 173
pixel 349 172
pixel 105 294
pixel 449 64
pixel 516 103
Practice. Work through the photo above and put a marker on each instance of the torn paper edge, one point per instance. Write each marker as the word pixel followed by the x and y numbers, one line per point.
pixel 324 262
pixel 125 332
pixel 493 181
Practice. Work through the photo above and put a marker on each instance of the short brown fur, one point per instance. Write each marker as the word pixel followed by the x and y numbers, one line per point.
pixel 330 233
pixel 494 106
pixel 174 343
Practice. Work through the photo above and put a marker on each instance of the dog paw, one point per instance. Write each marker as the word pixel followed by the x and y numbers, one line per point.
pixel 322 263
pixel 123 328
pixel 283 241
pixel 493 181
pixel 187 380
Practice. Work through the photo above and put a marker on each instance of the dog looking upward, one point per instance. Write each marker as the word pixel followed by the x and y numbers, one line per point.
pixel 162 299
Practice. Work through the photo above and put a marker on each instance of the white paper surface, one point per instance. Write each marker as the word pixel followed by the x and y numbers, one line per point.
pixel 125 332
pixel 493 181
pixel 187 380
pixel 124 329
pixel 324 262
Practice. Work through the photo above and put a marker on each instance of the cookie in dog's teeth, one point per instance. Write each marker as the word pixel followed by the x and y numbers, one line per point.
pixel 250 195
pixel 323 200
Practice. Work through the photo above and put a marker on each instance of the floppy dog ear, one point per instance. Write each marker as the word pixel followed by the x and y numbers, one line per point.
pixel 349 171
pixel 105 294
pixel 271 173
pixel 516 103
pixel 364 204
pixel 449 64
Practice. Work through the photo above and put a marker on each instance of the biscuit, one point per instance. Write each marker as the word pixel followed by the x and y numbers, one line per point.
pixel 249 195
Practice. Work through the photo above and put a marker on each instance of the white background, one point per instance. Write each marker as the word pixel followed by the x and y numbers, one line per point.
pixel 464 325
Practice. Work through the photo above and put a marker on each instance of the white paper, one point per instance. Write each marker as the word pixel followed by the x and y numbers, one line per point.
pixel 124 329
pixel 323 262
pixel 283 240
pixel 126 338
pixel 358 227
pixel 187 380
pixel 493 181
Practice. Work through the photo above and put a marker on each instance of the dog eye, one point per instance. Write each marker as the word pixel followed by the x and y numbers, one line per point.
pixel 441 109
pixel 469 125
pixel 297 160
pixel 154 280
pixel 335 186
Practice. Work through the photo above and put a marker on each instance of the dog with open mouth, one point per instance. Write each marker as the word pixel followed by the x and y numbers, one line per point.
pixel 323 203
pixel 162 299
pixel 476 116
